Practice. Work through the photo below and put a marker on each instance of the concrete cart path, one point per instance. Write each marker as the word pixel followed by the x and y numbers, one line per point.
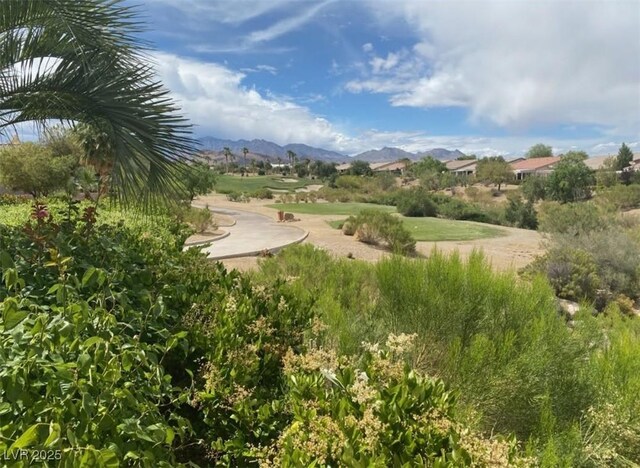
pixel 252 234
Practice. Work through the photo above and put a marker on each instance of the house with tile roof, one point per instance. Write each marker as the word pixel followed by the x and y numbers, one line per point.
pixel 540 166
pixel 462 167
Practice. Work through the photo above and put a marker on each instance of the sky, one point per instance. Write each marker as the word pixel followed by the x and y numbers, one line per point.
pixel 482 76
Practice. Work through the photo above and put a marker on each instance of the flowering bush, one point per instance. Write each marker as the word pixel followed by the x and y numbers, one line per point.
pixel 373 410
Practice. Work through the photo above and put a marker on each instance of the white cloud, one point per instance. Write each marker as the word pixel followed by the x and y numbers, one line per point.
pixel 215 99
pixel 261 68
pixel 368 47
pixel 225 11
pixel 286 25
pixel 519 63
pixel 217 102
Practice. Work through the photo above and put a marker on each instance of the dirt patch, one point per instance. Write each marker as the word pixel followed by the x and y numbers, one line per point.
pixel 514 250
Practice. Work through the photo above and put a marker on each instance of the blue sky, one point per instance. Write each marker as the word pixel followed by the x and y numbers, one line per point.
pixel 485 77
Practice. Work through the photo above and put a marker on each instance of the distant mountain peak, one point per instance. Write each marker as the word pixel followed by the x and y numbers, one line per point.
pixel 271 150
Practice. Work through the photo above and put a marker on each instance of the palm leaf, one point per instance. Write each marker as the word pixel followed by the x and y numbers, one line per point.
pixel 82 61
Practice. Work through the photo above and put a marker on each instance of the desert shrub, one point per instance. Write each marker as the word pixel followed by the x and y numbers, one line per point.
pixel 572 218
pixel 520 214
pixel 375 226
pixel 349 182
pixel 237 197
pixel 622 197
pixel 200 218
pixel 502 364
pixel 343 293
pixel 499 344
pixel 597 266
pixel 385 181
pixel 573 273
pixel 263 194
pixel 35 168
pixel 349 226
pixel 472 193
pixel 455 208
pixel 415 202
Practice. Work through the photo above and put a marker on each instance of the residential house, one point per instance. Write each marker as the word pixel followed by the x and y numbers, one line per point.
pixel 342 168
pixel 598 163
pixel 465 167
pixel 540 166
pixel 396 166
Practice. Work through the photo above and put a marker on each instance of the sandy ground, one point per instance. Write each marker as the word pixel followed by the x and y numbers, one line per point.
pixel 515 249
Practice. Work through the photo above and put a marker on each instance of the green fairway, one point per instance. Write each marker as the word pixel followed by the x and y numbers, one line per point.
pixel 330 208
pixel 231 183
pixel 422 229
pixel 436 229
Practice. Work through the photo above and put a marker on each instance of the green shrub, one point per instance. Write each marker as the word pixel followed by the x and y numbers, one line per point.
pixel 415 202
pixel 11 199
pixel 374 411
pixel 573 273
pixel 200 218
pixel 572 218
pixel 622 197
pixel 263 194
pixel 375 226
pixel 115 339
pixel 520 214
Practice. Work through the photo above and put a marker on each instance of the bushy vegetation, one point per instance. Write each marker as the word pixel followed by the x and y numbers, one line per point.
pixel 378 227
pixel 126 350
pixel 593 254
pixel 520 371
pixel 35 169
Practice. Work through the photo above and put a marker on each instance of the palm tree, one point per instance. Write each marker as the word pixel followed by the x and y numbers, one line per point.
pixel 82 61
pixel 245 150
pixel 227 155
pixel 292 157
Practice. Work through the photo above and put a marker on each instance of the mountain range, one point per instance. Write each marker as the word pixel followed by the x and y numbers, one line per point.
pixel 263 149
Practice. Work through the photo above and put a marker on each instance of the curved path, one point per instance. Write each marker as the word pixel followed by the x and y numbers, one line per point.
pixel 251 234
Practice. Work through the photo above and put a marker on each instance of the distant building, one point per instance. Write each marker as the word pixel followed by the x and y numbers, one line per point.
pixel 540 166
pixel 465 167
pixel 343 167
pixel 396 166
pixel 598 163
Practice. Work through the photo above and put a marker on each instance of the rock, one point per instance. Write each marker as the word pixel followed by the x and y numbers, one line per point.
pixel 569 308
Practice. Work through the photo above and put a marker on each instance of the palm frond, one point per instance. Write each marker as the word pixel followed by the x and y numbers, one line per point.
pixel 82 61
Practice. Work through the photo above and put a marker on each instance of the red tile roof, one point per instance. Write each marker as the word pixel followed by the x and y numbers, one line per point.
pixel 534 164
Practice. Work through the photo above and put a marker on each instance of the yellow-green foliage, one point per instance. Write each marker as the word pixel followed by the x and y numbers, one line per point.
pixel 499 342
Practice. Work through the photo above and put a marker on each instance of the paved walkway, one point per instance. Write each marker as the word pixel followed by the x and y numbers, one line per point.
pixel 252 234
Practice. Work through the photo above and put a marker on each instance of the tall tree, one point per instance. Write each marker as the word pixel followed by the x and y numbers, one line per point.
pixel 540 151
pixel 624 158
pixel 292 159
pixel 570 181
pixel 227 156
pixel 83 61
pixel 199 180
pixel 494 170
pixel 245 150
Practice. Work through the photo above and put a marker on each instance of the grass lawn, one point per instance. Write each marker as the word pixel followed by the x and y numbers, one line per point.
pixel 231 183
pixel 422 229
pixel 330 208
pixel 436 229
